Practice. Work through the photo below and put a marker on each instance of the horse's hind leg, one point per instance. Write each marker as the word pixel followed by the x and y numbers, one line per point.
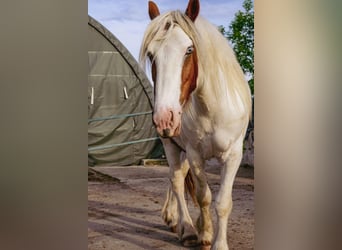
pixel 179 168
pixel 224 202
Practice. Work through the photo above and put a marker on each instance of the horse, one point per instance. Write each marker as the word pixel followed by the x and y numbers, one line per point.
pixel 202 106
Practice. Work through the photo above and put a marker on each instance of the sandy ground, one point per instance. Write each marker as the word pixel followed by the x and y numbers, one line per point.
pixel 124 211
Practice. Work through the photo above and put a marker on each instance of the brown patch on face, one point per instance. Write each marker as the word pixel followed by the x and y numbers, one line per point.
pixel 189 76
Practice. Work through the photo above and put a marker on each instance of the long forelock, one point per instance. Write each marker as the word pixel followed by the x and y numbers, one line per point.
pixel 159 30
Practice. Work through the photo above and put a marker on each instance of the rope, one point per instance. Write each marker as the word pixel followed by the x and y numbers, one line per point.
pixel 121 144
pixel 118 116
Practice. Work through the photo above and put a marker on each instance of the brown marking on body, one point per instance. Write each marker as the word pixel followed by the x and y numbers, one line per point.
pixel 189 77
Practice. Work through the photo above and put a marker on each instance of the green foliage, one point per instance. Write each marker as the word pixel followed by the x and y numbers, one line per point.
pixel 241 36
pixel 222 29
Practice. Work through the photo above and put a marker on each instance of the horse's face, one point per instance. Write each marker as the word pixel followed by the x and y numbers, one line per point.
pixel 174 73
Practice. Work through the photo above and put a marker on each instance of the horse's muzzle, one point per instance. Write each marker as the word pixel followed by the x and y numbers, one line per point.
pixel 167 133
pixel 168 123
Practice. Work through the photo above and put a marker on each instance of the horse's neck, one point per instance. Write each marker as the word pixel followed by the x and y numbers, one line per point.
pixel 212 102
pixel 201 109
pixel 222 91
pixel 209 98
pixel 221 94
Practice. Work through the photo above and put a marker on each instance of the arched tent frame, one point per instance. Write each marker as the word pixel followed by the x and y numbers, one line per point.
pixel 120 98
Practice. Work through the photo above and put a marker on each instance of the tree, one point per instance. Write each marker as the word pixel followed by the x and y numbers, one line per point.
pixel 241 36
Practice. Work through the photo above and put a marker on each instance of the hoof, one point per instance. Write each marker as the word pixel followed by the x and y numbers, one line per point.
pixel 205 247
pixel 190 241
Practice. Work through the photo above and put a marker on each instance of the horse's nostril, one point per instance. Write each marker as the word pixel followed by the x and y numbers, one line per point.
pixel 171 115
pixel 166 132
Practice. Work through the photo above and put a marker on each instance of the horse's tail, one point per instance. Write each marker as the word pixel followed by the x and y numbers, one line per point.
pixel 190 187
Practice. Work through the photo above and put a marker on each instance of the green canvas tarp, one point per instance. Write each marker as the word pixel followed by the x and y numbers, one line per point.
pixel 120 128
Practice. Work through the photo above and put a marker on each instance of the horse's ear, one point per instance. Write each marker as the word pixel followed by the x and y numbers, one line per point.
pixel 153 10
pixel 193 9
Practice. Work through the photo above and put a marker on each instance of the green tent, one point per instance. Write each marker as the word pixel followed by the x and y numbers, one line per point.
pixel 120 128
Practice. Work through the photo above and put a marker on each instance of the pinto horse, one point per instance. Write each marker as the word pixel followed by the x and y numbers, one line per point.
pixel 202 105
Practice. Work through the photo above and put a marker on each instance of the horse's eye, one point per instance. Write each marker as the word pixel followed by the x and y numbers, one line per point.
pixel 150 56
pixel 189 50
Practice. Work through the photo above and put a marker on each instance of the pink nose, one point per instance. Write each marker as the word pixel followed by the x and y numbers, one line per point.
pixel 167 122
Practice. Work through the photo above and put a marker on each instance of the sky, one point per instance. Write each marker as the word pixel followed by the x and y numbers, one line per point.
pixel 128 19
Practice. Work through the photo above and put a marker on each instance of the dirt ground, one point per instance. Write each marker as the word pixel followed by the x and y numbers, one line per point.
pixel 124 208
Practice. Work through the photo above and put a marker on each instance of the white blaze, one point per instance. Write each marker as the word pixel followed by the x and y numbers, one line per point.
pixel 169 62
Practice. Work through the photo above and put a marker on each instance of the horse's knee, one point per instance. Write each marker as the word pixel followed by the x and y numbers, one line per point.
pixel 223 208
pixel 177 181
pixel 177 185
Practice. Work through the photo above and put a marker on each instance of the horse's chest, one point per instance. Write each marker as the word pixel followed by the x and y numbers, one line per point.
pixel 209 143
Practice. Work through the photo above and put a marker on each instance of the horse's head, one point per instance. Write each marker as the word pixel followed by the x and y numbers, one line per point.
pixel 171 49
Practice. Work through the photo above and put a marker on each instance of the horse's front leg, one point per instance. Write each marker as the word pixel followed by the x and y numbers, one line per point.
pixel 179 168
pixel 224 201
pixel 203 195
pixel 170 210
